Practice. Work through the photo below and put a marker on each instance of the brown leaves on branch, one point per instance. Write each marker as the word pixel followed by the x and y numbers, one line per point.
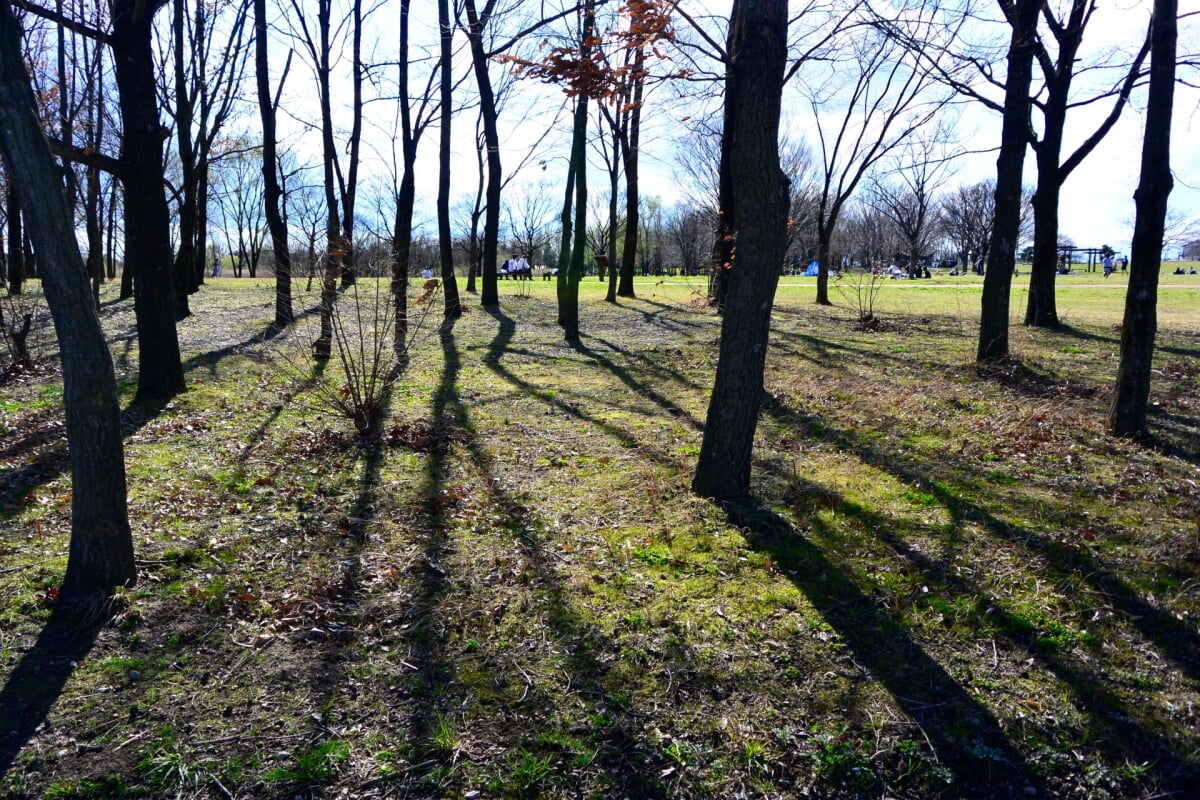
pixel 587 68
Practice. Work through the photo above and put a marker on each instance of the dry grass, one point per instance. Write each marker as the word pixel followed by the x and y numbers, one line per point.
pixel 950 583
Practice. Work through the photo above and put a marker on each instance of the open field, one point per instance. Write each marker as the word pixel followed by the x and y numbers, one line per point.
pixel 950 583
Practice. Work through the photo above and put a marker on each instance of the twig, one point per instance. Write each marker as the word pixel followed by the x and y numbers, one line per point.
pixel 219 787
pixel 241 738
pixel 528 682
pixel 132 739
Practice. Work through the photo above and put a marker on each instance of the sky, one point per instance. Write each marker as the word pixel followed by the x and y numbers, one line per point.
pixel 1097 200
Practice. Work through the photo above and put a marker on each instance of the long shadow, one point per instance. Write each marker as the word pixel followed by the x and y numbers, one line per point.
pixel 1175 639
pixel 637 386
pixel 656 367
pixel 964 735
pixel 630 765
pixel 426 637
pixel 212 358
pixel 666 316
pixel 39 678
pixel 494 361
pixel 1111 717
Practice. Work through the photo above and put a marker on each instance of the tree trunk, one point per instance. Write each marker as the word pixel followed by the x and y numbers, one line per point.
pixel 101 551
pixel 610 294
pixel 1127 417
pixel 453 306
pixel 405 199
pixel 272 193
pixel 490 296
pixel 564 245
pixel 629 155
pixel 185 258
pixel 1041 309
pixel 350 187
pixel 758 54
pixel 569 302
pixel 1014 139
pixel 824 249
pixel 16 241
pixel 147 221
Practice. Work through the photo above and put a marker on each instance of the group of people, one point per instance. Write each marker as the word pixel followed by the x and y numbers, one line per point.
pixel 516 268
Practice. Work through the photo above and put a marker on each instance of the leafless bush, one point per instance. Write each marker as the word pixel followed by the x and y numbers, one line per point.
pixel 358 382
pixel 860 290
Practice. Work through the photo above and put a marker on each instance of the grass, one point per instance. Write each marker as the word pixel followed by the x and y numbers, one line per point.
pixel 950 583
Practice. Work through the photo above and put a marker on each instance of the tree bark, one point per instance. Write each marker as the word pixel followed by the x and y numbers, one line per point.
pixel 16 241
pixel 185 258
pixel 490 296
pixel 147 221
pixel 453 306
pixel 405 199
pixel 1127 417
pixel 750 144
pixel 568 283
pixel 630 143
pixel 349 189
pixel 1014 139
pixel 272 193
pixel 101 550
pixel 568 311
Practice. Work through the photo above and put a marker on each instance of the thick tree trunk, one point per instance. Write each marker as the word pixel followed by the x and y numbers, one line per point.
pixel 1041 309
pixel 453 306
pixel 405 200
pixel 273 195
pixel 758 54
pixel 1127 417
pixel 147 222
pixel 101 550
pixel 1014 139
pixel 490 296
pixel 185 257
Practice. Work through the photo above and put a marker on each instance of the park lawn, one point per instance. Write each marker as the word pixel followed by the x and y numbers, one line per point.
pixel 950 582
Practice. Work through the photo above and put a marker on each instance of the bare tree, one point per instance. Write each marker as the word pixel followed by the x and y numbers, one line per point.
pixel 416 114
pixel 101 551
pixel 238 185
pixel 755 58
pixel 1058 70
pixel 1022 16
pixel 209 58
pixel 1127 417
pixel 866 103
pixel 272 190
pixel 906 193
pixel 965 217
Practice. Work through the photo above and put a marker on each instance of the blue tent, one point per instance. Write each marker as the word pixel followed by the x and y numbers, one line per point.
pixel 812 270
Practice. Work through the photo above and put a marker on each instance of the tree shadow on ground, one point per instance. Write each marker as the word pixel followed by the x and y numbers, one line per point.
pixel 38 679
pixel 1110 717
pixel 641 388
pixel 552 398
pixel 964 735
pixel 631 766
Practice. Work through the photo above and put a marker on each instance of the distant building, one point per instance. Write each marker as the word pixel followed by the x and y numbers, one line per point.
pixel 1190 251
